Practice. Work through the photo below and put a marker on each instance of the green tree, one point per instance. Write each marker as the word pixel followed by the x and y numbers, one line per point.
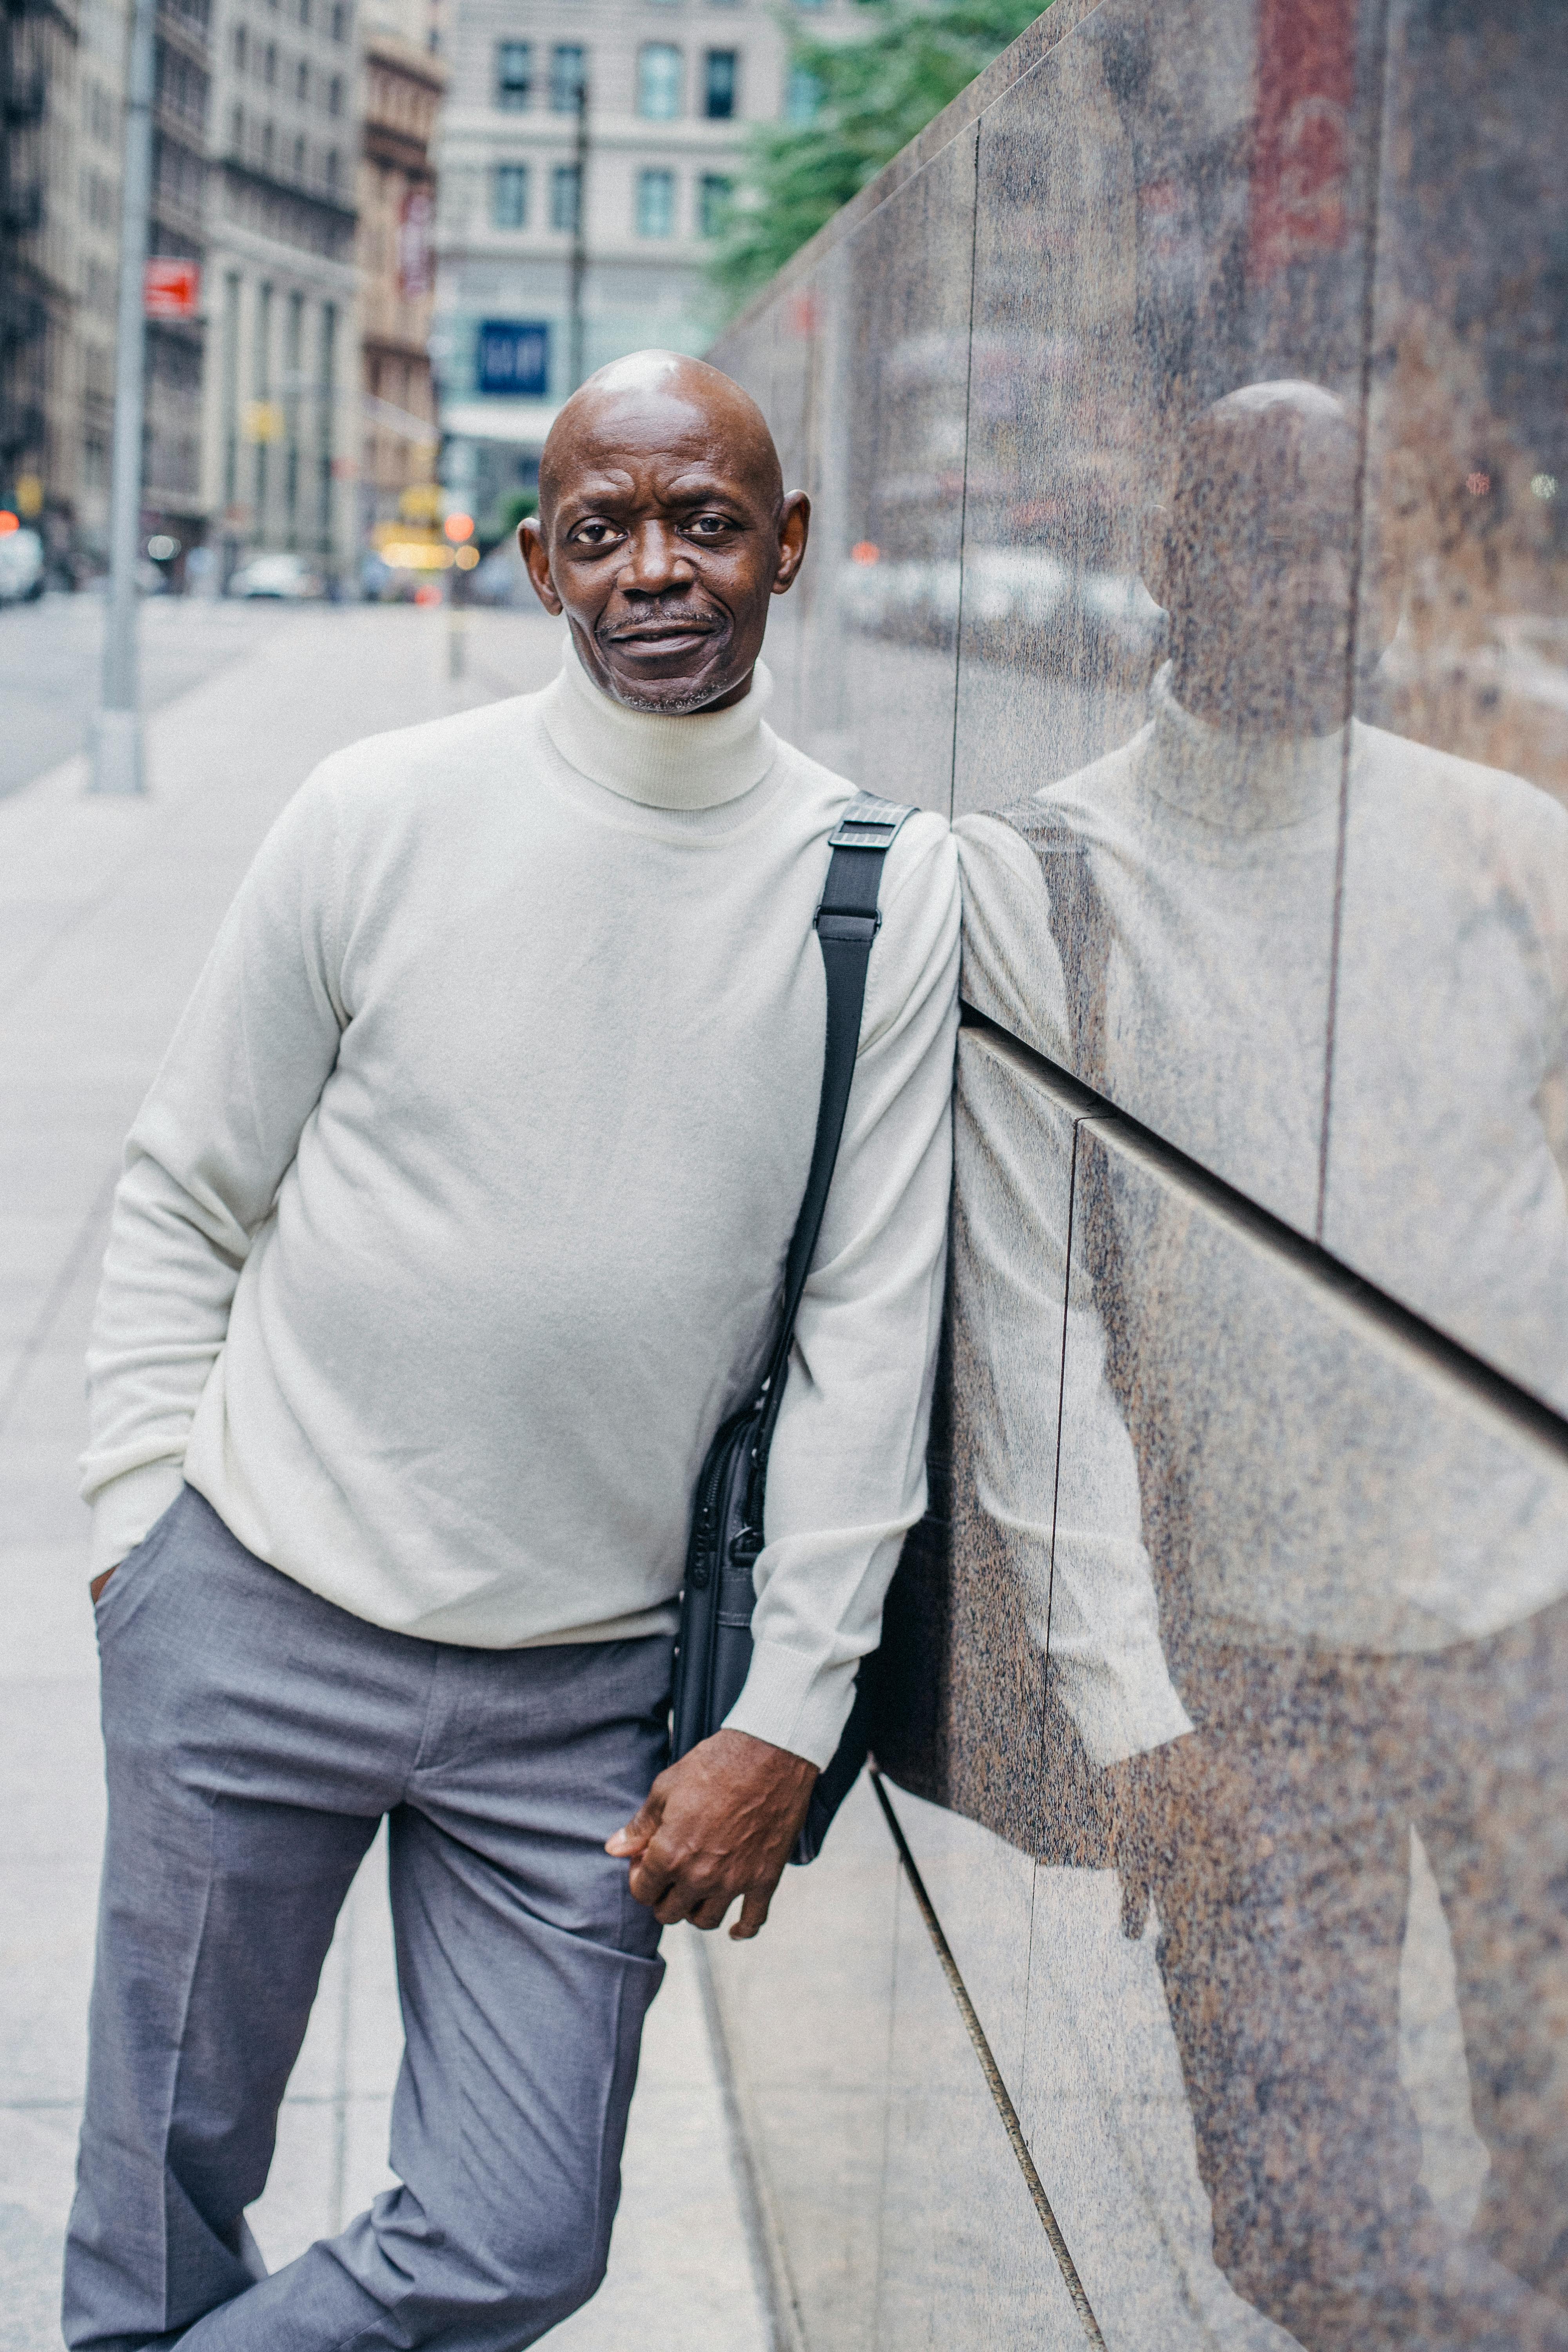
pixel 861 101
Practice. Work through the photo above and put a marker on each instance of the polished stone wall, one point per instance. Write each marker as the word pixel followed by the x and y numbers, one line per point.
pixel 1185 423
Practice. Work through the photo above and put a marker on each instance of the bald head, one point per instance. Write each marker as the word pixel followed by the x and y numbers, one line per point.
pixel 663 531
pixel 660 394
pixel 1254 560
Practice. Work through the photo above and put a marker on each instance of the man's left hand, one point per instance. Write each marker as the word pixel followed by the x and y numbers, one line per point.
pixel 718 1824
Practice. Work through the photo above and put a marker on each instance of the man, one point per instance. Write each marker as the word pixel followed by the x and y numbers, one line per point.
pixel 1356 1620
pixel 450 1230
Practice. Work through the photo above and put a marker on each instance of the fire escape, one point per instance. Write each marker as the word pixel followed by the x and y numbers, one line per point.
pixel 24 309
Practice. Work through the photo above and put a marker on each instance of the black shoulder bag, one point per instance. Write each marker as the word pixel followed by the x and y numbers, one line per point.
pixel 714 1649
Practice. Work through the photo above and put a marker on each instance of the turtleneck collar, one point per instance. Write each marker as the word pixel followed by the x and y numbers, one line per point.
pixel 1242 783
pixel 690 763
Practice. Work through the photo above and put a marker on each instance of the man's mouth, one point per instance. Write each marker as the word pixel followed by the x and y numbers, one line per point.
pixel 671 631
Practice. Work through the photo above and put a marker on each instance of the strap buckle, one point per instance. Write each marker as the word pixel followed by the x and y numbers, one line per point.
pixel 829 923
pixel 863 832
pixel 867 823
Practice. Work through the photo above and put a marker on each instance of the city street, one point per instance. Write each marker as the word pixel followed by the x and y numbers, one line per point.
pixel 106 910
pixel 51 657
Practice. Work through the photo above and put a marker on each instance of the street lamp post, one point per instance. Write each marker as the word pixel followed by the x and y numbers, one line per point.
pixel 117 733
pixel 579 234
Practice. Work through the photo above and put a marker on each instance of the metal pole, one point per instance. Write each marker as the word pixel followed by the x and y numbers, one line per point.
pixel 580 233
pixel 117 735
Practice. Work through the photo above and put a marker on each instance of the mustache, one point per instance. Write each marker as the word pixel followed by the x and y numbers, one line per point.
pixel 665 616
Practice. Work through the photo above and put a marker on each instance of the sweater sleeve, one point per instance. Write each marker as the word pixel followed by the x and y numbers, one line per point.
pixel 205 1156
pixel 847 1474
pixel 1074 1543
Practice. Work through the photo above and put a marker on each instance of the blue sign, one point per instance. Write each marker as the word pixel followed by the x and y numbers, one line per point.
pixel 514 356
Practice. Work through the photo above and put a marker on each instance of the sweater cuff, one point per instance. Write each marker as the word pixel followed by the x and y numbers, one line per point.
pixel 129 1508
pixel 794 1703
pixel 1121 1706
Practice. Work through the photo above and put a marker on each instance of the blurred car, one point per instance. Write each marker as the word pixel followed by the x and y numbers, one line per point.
pixel 21 567
pixel 1009 597
pixel 385 584
pixel 499 579
pixel 288 577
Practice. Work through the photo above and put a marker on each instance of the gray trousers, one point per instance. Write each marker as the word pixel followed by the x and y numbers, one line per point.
pixel 256 1736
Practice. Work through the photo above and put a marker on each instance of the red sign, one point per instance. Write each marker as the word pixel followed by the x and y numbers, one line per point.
pixel 171 288
pixel 1301 158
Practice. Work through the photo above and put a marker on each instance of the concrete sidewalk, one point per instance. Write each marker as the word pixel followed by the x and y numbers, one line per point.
pixel 106 911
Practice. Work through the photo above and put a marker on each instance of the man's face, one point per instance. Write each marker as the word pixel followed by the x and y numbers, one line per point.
pixel 1257 568
pixel 662 534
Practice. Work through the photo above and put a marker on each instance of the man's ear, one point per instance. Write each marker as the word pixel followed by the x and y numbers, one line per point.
pixel 536 556
pixel 795 529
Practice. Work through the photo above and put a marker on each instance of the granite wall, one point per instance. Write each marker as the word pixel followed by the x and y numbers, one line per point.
pixel 1185 417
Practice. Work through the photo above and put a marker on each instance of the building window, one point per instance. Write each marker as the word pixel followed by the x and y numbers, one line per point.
pixel 335 95
pixel 508 196
pixel 339 22
pixel 720 83
pixel 270 64
pixel 568 67
pixel 656 203
pixel 299 159
pixel 236 130
pixel 241 48
pixel 304 12
pixel 302 83
pixel 266 146
pixel 332 169
pixel 514 75
pixel 715 194
pixel 564 197
pixel 659 81
pixel 803 95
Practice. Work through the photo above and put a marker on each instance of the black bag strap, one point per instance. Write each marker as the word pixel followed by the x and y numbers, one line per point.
pixel 847 921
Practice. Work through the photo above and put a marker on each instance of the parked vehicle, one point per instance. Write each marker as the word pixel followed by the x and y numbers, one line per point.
pixel 500 579
pixel 1010 596
pixel 287 578
pixel 21 567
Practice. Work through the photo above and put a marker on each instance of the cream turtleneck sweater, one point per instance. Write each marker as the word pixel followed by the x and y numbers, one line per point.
pixel 454 1220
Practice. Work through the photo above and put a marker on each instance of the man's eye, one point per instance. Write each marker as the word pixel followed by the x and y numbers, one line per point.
pixel 709 526
pixel 594 535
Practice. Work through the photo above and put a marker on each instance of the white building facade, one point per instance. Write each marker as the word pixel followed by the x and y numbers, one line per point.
pixel 671 87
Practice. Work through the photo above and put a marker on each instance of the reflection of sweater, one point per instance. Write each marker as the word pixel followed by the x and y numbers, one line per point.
pixel 1214 868
pixel 453 1222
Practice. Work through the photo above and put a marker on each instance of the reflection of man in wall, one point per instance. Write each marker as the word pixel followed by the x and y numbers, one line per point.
pixel 1163 923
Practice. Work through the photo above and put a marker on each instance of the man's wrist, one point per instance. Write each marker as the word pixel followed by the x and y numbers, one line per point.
pixel 790 1701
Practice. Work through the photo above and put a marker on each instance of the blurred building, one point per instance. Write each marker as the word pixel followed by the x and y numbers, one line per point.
pixel 39 421
pixel 280 439
pixel 672 86
pixel 404 81
pixel 100 98
pixel 174 509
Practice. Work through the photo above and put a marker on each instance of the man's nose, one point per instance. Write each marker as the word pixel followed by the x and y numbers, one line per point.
pixel 655 559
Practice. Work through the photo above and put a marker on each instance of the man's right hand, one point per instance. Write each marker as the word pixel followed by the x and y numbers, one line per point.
pixel 718 1823
pixel 98 1583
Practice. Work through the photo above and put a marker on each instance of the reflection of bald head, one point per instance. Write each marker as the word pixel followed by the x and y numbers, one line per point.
pixel 1256 567
pixel 654 398
pixel 1259 451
